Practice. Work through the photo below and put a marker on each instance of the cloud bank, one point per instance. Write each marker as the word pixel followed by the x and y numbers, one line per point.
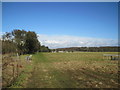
pixel 61 41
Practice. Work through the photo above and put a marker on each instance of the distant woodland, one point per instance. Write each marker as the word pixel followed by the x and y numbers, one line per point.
pixel 90 49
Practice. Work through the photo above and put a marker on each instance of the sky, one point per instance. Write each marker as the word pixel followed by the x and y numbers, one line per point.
pixel 64 24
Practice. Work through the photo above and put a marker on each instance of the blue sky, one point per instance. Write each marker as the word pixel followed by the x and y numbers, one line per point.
pixel 83 19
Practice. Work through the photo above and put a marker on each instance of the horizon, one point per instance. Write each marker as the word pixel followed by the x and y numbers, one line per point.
pixel 88 47
pixel 65 24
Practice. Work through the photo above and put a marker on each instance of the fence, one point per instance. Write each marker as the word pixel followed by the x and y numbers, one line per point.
pixel 11 69
pixel 111 56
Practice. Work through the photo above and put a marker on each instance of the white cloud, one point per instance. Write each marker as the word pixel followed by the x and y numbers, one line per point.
pixel 1 33
pixel 60 41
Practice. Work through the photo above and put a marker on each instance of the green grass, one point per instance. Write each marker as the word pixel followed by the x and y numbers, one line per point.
pixel 22 80
pixel 69 70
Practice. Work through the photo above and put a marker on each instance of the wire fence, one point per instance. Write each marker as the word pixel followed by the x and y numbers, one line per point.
pixel 11 69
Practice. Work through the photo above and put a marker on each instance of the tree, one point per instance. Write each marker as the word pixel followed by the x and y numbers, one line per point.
pixel 8 46
pixel 32 44
pixel 19 39
pixel 22 42
pixel 44 48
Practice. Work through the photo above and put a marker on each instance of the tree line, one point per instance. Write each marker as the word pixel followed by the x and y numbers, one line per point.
pixel 22 42
pixel 90 49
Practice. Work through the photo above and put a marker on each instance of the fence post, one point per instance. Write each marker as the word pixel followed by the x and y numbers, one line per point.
pixel 17 70
pixel 13 71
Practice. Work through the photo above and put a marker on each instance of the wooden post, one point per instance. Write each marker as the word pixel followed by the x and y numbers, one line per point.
pixel 18 63
pixel 17 70
pixel 13 71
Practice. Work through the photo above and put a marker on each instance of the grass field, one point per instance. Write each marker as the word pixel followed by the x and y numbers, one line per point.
pixel 69 70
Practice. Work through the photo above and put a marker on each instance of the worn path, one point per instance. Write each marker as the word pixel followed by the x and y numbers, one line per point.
pixel 44 75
